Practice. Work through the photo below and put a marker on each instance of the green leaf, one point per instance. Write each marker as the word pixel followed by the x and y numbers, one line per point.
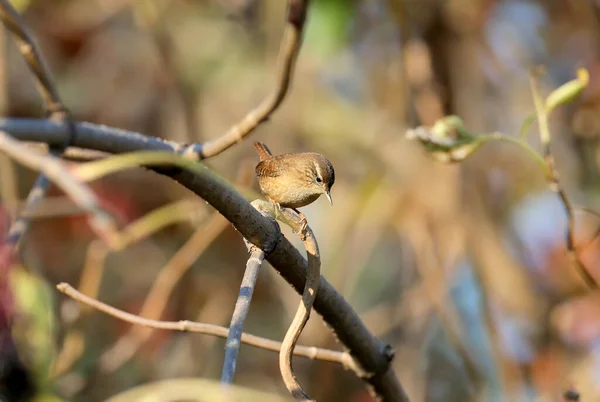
pixel 35 323
pixel 567 92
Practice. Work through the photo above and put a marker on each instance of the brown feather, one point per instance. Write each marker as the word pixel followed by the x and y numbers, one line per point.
pixel 268 168
pixel 263 150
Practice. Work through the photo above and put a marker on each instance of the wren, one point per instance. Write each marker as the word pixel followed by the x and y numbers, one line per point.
pixel 294 180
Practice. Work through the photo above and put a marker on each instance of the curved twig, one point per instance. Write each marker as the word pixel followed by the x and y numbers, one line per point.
pixel 554 181
pixel 93 269
pixel 240 312
pixel 313 275
pixel 310 352
pixel 290 47
pixel 161 290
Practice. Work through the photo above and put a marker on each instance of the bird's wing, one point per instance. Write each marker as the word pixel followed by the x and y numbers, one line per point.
pixel 268 168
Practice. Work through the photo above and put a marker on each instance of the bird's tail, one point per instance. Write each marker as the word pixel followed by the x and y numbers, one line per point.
pixel 263 150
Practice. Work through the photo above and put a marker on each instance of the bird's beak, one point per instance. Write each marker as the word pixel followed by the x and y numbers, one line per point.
pixel 329 197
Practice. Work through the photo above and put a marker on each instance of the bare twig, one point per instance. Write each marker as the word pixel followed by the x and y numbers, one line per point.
pixel 313 275
pixel 32 55
pixel 290 47
pixel 240 312
pixel 52 168
pixel 164 285
pixel 342 358
pixel 55 108
pixel 374 356
pixel 74 341
pixel 161 290
pixel 554 180
pixel 91 276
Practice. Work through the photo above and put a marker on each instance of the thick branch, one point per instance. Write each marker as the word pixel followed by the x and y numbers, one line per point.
pixel 373 356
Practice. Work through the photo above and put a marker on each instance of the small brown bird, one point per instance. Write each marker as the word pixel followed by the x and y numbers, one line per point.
pixel 293 180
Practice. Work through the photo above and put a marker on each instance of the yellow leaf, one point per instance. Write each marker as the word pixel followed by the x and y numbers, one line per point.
pixel 20 5
pixel 568 91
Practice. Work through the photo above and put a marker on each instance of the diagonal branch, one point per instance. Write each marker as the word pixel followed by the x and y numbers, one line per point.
pixel 373 356
pixel 240 312
pixel 32 55
pixel 55 170
pixel 162 288
pixel 290 47
pixel 93 269
pixel 54 107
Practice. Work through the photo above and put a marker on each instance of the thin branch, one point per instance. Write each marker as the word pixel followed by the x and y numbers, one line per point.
pixel 161 290
pixel 240 312
pixel 32 55
pixel 55 170
pixel 374 356
pixel 554 180
pixel 54 107
pixel 290 47
pixel 97 253
pixel 168 278
pixel 342 358
pixel 313 275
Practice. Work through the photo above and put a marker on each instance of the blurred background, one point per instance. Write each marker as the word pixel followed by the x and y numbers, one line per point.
pixel 460 267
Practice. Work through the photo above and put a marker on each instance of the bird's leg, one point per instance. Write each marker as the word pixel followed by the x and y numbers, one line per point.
pixel 304 221
pixel 276 207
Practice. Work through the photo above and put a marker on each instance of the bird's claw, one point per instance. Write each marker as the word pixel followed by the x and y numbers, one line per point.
pixel 304 225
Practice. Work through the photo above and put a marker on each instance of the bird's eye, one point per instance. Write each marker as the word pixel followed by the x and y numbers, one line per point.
pixel 319 180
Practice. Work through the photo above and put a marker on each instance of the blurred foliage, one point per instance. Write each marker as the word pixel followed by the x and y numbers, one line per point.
pixel 34 328
pixel 20 5
pixel 204 391
pixel 460 267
